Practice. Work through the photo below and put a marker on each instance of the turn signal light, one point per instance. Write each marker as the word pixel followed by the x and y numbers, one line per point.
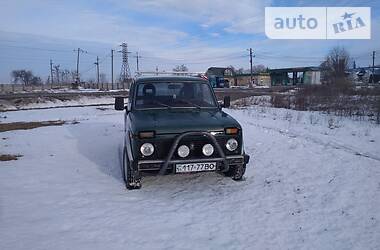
pixel 146 134
pixel 231 131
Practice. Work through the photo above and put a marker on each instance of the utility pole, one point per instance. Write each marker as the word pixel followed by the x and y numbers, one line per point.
pixel 51 72
pixel 250 61
pixel 137 63
pixel 373 66
pixel 112 68
pixel 97 70
pixel 79 50
pixel 56 67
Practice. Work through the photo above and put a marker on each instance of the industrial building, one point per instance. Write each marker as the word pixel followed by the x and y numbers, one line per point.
pixel 220 77
pixel 295 76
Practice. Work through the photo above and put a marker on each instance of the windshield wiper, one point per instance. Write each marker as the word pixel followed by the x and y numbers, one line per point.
pixel 193 104
pixel 162 104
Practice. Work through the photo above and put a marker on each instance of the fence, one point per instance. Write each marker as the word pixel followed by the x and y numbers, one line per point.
pixel 14 88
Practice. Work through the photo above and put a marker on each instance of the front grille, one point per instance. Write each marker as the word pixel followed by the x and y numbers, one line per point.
pixel 195 143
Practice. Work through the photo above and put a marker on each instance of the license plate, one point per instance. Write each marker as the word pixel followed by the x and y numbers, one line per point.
pixel 195 167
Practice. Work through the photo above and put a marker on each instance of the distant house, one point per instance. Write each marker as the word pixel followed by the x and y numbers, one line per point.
pixel 295 76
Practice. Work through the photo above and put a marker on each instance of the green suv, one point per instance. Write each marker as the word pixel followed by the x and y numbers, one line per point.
pixel 175 125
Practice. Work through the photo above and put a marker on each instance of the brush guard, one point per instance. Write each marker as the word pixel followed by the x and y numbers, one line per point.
pixel 178 139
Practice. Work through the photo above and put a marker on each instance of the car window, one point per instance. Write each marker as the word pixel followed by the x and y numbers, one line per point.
pixel 174 95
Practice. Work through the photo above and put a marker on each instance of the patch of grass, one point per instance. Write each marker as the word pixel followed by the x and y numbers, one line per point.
pixel 8 157
pixel 28 125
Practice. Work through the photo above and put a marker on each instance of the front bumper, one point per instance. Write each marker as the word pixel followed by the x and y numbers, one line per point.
pixel 156 165
pixel 167 165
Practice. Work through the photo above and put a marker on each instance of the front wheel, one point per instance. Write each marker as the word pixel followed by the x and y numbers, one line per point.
pixel 131 178
pixel 236 172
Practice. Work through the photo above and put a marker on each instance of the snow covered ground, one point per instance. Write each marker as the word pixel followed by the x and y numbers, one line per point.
pixel 313 183
pixel 39 102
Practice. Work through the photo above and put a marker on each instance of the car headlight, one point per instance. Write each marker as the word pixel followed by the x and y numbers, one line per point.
pixel 183 151
pixel 147 149
pixel 207 149
pixel 232 144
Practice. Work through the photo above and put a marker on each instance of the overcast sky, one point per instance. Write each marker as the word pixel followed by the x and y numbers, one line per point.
pixel 197 33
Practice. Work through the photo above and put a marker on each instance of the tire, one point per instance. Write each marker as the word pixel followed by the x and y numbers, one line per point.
pixel 132 181
pixel 236 172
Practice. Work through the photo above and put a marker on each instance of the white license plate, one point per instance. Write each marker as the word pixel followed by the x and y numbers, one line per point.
pixel 195 167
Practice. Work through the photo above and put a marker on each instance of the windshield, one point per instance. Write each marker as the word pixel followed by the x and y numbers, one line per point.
pixel 174 95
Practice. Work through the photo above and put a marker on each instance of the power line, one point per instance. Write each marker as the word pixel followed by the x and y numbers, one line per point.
pixel 92 67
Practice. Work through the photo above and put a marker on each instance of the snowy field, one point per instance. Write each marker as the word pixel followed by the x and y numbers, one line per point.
pixel 313 183
pixel 40 103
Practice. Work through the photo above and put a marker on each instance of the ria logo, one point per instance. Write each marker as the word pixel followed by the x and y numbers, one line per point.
pixel 318 22
pixel 348 23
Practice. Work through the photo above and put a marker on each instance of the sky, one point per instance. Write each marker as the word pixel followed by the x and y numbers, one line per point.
pixel 165 33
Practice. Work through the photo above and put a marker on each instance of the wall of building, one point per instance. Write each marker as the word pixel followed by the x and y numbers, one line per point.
pixel 295 78
pixel 312 77
pixel 243 80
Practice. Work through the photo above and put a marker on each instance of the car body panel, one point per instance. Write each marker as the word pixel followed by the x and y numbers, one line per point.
pixel 176 121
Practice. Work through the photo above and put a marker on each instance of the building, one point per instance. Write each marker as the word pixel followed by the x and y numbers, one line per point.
pixel 295 76
pixel 220 77
pixel 217 76
pixel 259 79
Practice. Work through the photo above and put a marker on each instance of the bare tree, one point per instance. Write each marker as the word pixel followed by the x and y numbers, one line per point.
pixel 56 70
pixel 240 71
pixel 26 77
pixel 259 68
pixel 335 66
pixel 180 68
pixel 65 76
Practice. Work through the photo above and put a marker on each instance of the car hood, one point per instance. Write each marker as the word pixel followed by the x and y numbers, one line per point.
pixel 174 121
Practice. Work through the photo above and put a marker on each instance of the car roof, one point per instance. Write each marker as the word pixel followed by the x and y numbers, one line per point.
pixel 169 79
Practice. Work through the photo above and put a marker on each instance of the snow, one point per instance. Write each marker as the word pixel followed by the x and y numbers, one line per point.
pixel 39 102
pixel 313 183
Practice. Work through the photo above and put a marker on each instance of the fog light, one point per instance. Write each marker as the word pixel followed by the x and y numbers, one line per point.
pixel 147 149
pixel 208 150
pixel 231 131
pixel 232 144
pixel 146 134
pixel 183 151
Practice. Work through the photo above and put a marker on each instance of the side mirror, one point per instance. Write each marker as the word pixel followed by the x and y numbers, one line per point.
pixel 227 102
pixel 119 103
